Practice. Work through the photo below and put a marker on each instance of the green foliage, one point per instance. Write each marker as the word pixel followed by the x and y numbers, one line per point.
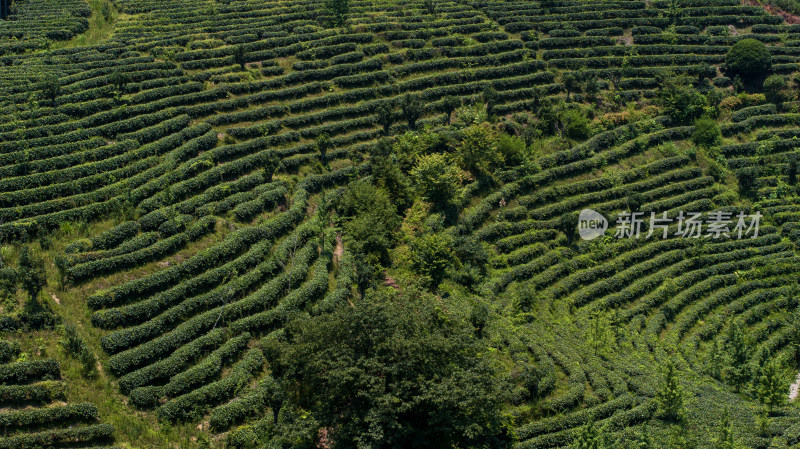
pixel 683 104
pixel 574 124
pixel 389 176
pixel 670 395
pixel 370 220
pixel 31 272
pixel 739 349
pixel 431 256
pixel 450 103
pixel 338 10
pixel 725 438
pixel 492 98
pixel 770 387
pixel 600 335
pixel 512 149
pixel 322 145
pixel 588 437
pixel 240 55
pixel 413 107
pixel 748 58
pixel 477 151
pixel 437 179
pixel 76 347
pixel 571 83
pixel 392 371
pixel 385 115
pixel 706 133
pixel 50 87
pixel 775 89
pixel 430 5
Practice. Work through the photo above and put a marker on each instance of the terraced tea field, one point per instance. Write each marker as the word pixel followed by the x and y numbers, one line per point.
pixel 200 200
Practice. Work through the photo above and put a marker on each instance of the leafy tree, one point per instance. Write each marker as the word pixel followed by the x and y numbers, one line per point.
pixel 775 88
pixel 670 395
pixel 33 278
pixel 412 107
pixel 430 5
pixel 571 82
pixel 437 179
pixel 706 133
pixel 431 257
pixel 763 423
pixel 240 55
pixel 450 103
pixel 512 149
pixel 592 87
pixel 683 104
pixel 674 11
pixel 716 360
pixel 739 350
pixel 338 10
pixel 392 370
pixel 272 163
pixel 747 177
pixel 385 112
pixel 119 80
pixel 322 146
pixel 588 437
pixel 31 272
pixel 600 336
pixel 568 224
pixel 477 150
pixel 770 388
pixel 479 316
pixel 634 201
pixel 76 347
pixel 50 86
pixel 388 175
pixel 725 439
pixel 8 282
pixel 704 71
pixel 492 98
pixel 370 220
pixel 572 123
pixel 749 58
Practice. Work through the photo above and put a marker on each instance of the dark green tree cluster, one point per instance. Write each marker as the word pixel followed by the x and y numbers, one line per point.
pixel 391 371
pixel 338 11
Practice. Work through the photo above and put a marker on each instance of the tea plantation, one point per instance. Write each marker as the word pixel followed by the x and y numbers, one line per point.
pixel 355 224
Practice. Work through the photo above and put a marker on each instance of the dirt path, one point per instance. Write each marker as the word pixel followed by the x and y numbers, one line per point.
pixel 794 388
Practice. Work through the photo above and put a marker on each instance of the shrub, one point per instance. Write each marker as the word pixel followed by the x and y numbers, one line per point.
pixel 775 89
pixel 748 58
pixel 706 133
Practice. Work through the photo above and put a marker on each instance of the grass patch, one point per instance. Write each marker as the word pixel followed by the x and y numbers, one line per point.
pixel 101 25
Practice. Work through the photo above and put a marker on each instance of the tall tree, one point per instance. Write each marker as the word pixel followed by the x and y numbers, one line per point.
pixel 739 350
pixel 450 103
pixel 385 113
pixel 670 395
pixel 413 108
pixel 31 272
pixel 725 439
pixel 770 387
